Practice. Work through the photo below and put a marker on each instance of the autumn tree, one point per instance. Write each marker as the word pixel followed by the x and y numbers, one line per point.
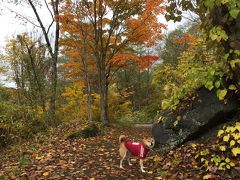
pixel 220 20
pixel 134 80
pixel 116 25
pixel 29 65
pixel 52 43
pixel 76 45
pixel 175 43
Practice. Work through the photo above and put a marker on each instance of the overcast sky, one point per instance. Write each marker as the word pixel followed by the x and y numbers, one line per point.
pixel 11 26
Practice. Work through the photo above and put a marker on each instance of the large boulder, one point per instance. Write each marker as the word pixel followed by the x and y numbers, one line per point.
pixel 200 115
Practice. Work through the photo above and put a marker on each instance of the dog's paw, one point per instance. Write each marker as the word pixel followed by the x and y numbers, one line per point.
pixel 143 171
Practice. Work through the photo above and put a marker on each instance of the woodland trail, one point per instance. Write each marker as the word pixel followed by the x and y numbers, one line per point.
pixel 97 158
pixel 79 158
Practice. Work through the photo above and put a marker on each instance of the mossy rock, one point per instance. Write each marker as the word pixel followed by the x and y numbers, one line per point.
pixel 90 131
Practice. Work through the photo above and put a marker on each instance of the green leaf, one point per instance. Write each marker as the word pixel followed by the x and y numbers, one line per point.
pixel 237 52
pixel 217 84
pixel 209 3
pixel 233 62
pixel 175 123
pixel 209 85
pixel 224 1
pixel 232 87
pixel 234 12
pixel 167 17
pixel 221 94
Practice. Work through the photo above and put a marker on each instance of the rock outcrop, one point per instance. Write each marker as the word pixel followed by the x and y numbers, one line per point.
pixel 202 114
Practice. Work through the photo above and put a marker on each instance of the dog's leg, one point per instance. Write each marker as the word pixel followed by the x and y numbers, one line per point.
pixel 141 165
pixel 123 154
pixel 121 160
pixel 128 159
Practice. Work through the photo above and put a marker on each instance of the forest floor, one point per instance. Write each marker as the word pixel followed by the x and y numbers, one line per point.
pixel 52 157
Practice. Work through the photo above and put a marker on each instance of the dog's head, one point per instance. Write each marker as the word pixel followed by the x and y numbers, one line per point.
pixel 149 142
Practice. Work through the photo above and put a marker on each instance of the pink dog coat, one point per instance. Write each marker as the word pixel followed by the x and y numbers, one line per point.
pixel 136 149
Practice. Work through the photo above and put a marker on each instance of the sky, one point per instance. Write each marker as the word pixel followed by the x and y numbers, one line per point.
pixel 11 26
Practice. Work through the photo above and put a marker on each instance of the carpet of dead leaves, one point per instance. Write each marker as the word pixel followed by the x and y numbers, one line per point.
pixel 96 158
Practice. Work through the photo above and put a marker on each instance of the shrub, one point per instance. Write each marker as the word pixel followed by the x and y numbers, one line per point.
pixel 19 121
pixel 135 117
pixel 224 154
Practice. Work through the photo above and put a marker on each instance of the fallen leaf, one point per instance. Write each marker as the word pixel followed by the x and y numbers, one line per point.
pixel 157 158
pixel 208 176
pixel 38 157
pixel 46 174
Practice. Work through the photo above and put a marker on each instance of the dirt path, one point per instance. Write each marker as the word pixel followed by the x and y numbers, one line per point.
pixel 79 159
pixel 97 158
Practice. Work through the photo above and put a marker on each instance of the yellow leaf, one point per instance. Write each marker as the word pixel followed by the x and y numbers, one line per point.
pixel 236 151
pixel 226 138
pixel 193 145
pixel 232 143
pixel 232 164
pixel 92 178
pixel 38 157
pixel 222 148
pixel 230 129
pixel 236 136
pixel 227 160
pixel 220 132
pixel 46 174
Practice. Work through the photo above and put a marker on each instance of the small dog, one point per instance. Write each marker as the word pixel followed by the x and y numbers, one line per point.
pixel 136 149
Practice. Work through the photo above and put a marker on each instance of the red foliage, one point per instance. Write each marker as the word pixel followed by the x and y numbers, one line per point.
pixel 147 61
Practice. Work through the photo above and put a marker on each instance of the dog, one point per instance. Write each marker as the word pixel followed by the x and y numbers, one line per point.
pixel 139 149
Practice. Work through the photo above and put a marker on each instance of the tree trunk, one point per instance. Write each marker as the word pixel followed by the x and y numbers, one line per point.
pixel 104 98
pixel 89 92
pixel 54 57
pixel 53 92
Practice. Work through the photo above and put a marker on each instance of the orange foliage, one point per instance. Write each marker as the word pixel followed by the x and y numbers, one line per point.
pixel 145 28
pixel 121 59
pixel 187 39
pixel 75 43
pixel 142 28
pixel 142 63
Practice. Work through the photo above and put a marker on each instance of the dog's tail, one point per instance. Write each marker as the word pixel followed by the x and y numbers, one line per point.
pixel 122 138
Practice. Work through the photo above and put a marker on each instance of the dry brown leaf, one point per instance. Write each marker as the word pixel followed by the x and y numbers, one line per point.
pixel 208 176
